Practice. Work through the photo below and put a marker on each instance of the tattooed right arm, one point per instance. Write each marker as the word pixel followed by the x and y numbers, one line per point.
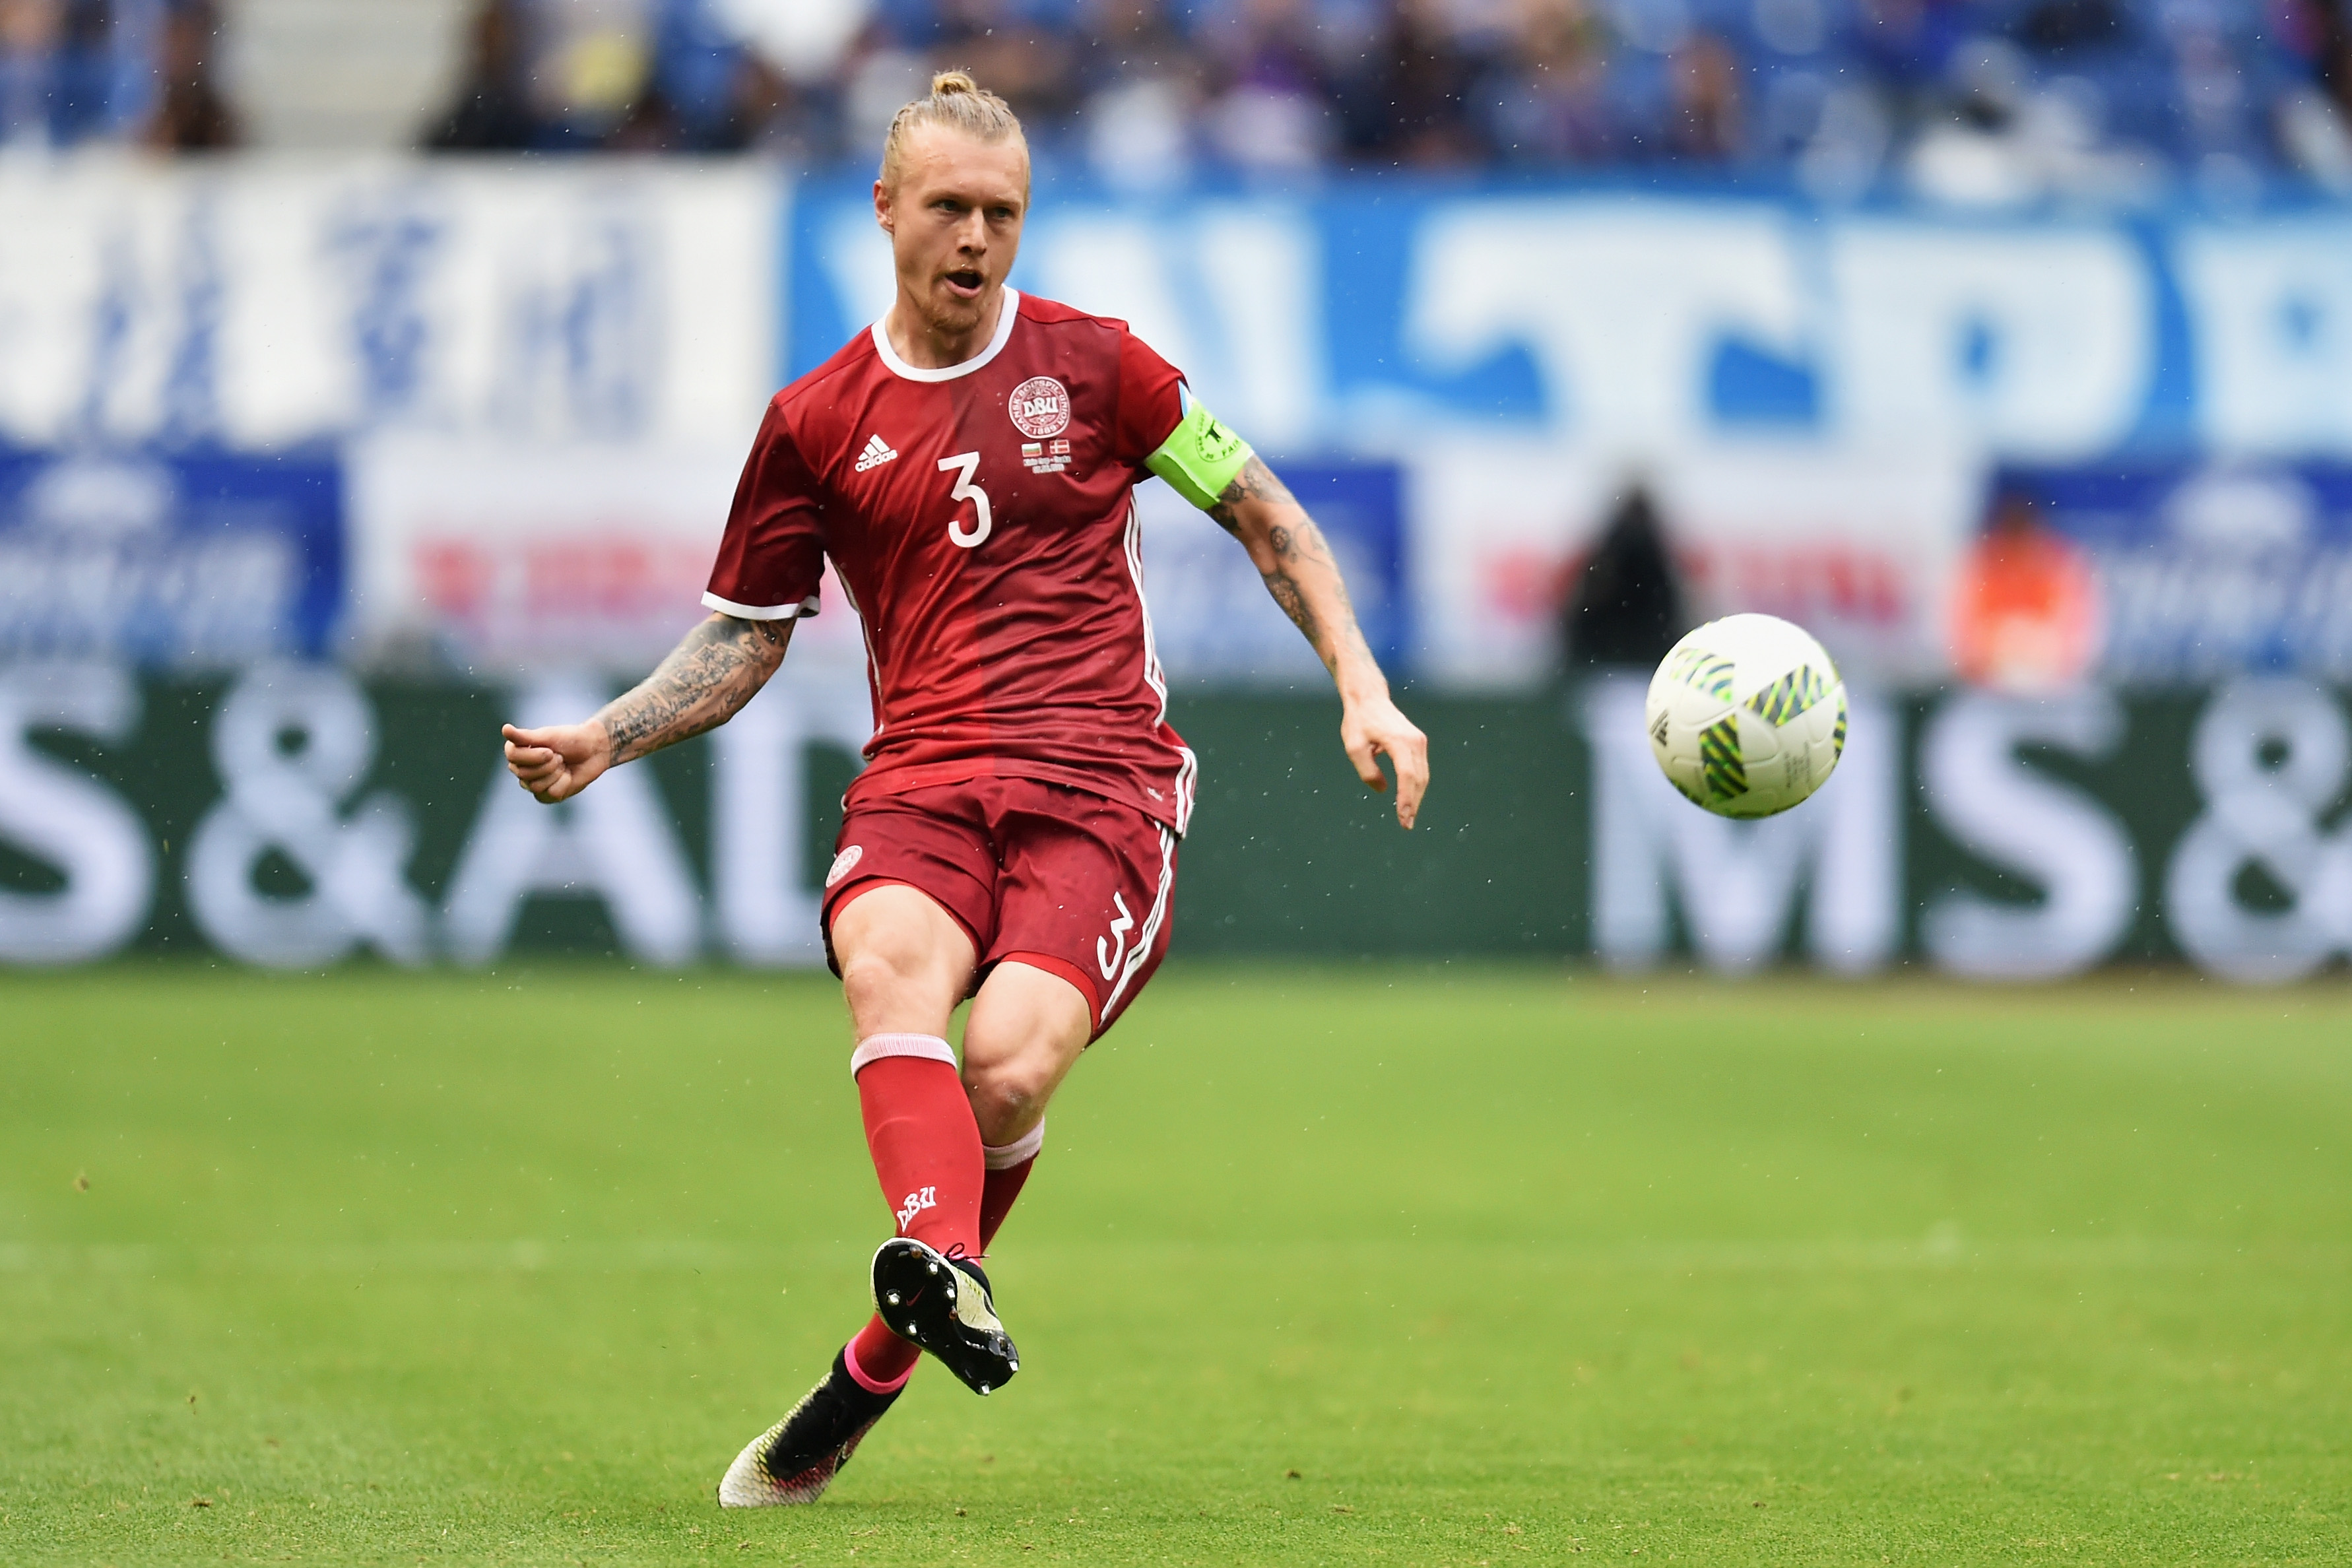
pixel 704 682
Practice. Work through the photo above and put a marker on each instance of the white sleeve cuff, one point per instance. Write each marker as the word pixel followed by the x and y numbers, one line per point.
pixel 761 612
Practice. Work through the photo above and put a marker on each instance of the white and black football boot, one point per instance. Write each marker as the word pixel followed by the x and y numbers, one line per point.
pixel 943 1305
pixel 794 1461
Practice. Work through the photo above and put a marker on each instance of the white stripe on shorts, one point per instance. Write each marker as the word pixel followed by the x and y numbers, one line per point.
pixel 1150 932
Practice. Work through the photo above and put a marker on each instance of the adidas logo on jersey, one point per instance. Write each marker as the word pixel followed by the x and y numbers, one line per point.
pixel 877 452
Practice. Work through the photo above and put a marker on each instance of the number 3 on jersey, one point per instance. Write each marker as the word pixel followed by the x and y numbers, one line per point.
pixel 968 463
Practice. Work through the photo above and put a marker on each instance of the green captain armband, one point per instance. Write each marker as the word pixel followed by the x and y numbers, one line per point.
pixel 1200 457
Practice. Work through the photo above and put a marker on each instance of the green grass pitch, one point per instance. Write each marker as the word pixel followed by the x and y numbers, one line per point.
pixel 1365 1264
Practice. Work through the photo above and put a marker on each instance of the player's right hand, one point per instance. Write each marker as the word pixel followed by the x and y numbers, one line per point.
pixel 1372 728
pixel 559 760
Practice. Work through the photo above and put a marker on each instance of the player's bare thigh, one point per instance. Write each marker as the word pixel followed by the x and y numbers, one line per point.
pixel 1027 1028
pixel 905 963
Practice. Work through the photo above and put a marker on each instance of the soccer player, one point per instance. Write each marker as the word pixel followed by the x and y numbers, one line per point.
pixel 968 467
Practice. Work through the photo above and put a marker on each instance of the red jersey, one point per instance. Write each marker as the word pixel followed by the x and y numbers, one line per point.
pixel 982 520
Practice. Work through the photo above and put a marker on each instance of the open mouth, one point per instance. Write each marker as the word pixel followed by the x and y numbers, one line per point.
pixel 965 282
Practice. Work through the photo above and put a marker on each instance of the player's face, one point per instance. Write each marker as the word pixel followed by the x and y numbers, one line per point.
pixel 955 222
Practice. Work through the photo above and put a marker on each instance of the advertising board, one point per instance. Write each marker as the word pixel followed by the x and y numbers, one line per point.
pixel 1370 313
pixel 2207 570
pixel 180 557
pixel 484 554
pixel 1213 622
pixel 260 301
pixel 543 377
pixel 1857 547
pixel 294 817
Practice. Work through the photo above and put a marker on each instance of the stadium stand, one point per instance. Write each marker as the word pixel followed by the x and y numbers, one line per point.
pixel 1970 99
pixel 340 74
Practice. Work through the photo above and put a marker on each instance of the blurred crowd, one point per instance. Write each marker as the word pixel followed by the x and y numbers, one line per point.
pixel 1970 98
pixel 111 71
pixel 1984 98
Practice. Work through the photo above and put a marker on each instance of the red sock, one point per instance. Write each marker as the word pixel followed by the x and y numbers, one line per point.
pixel 879 1360
pixel 1008 1168
pixel 925 1144
pixel 927 1155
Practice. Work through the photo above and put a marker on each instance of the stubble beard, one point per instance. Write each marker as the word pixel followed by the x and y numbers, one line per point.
pixel 950 316
pixel 943 313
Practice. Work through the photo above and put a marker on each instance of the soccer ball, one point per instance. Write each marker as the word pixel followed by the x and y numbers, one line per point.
pixel 1747 715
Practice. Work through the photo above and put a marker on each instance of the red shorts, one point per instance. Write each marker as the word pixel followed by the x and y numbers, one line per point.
pixel 1066 881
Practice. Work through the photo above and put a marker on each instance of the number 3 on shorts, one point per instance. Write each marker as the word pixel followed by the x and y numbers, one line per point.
pixel 966 490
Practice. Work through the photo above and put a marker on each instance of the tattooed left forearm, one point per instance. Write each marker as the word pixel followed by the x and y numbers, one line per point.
pixel 1285 589
pixel 1339 611
pixel 1296 560
pixel 1254 482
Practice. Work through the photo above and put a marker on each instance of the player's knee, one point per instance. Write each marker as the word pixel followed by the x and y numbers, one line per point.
pixel 900 956
pixel 872 977
pixel 885 977
pixel 868 972
pixel 1008 1092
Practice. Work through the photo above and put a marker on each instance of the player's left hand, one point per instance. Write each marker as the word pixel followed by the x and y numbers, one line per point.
pixel 1371 728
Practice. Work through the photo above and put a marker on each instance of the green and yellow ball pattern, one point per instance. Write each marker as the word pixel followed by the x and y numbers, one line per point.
pixel 1747 715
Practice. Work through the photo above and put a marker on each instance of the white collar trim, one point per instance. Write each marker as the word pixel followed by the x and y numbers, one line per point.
pixel 1003 335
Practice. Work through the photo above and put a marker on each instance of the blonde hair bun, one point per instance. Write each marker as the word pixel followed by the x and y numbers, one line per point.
pixel 957 102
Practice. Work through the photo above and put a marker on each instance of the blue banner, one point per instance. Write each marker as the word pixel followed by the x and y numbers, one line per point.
pixel 2208 572
pixel 1381 312
pixel 1213 618
pixel 201 558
